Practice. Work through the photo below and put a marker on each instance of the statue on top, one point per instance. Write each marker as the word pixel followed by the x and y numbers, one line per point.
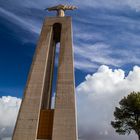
pixel 61 9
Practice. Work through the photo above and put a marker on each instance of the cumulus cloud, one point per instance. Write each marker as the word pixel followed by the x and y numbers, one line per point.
pixel 9 107
pixel 97 97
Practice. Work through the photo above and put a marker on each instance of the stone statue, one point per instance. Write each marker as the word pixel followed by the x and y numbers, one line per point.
pixel 61 9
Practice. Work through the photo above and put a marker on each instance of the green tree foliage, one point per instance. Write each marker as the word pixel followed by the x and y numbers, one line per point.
pixel 127 116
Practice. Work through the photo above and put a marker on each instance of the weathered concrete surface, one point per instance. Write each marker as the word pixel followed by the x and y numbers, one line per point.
pixel 38 88
pixel 28 118
pixel 64 127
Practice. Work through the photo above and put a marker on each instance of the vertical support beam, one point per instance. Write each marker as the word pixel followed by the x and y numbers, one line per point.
pixel 46 100
pixel 28 118
pixel 64 127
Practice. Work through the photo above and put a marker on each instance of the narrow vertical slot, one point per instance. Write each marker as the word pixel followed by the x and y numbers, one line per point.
pixel 51 69
pixel 55 76
pixel 57 35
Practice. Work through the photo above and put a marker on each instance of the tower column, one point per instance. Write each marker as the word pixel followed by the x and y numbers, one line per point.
pixel 64 127
pixel 28 118
pixel 36 119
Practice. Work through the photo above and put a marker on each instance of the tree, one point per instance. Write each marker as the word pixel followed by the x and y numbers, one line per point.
pixel 127 116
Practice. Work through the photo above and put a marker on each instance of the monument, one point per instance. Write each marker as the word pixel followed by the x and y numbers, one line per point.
pixel 36 118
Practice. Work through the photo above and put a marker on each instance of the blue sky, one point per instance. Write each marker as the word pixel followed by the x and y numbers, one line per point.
pixel 104 33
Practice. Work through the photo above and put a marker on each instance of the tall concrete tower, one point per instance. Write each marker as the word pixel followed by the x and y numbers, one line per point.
pixel 36 118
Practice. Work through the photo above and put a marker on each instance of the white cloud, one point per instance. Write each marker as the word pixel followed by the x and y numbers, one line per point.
pixel 6 138
pixel 89 57
pixel 111 4
pixel 13 13
pixel 85 65
pixel 134 4
pixel 9 107
pixel 20 21
pixel 97 97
